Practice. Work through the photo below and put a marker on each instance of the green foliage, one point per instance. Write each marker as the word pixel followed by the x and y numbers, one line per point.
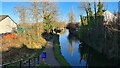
pixel 50 14
pixel 48 24
pixel 100 9
pixel 43 65
pixel 82 33
pixel 90 12
pixel 91 26
pixel 85 22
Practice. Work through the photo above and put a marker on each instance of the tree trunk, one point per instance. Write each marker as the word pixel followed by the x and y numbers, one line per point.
pixel 95 9
pixel 81 19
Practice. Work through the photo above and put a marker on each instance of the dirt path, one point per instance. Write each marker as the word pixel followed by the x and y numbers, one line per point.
pixel 50 57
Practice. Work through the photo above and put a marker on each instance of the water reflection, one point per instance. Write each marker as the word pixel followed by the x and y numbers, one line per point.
pixel 81 54
pixel 71 40
pixel 70 49
pixel 92 57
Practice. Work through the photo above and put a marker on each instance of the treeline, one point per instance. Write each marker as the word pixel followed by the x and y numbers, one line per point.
pixel 39 12
pixel 92 22
pixel 95 32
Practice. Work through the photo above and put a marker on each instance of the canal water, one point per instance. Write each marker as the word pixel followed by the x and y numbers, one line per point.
pixel 79 54
pixel 69 49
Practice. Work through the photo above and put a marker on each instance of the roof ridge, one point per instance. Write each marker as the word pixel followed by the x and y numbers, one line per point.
pixel 3 17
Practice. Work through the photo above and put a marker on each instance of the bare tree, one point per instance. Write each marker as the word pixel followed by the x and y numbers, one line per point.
pixel 22 12
pixel 50 13
pixel 45 11
pixel 35 11
pixel 84 6
pixel 71 16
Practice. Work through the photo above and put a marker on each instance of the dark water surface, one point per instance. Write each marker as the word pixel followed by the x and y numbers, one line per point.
pixel 79 54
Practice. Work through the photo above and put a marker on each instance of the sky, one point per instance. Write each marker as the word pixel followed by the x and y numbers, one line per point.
pixel 64 8
pixel 58 0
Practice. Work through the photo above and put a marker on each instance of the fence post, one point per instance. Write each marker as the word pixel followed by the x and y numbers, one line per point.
pixel 20 64
pixel 29 63
pixel 34 61
pixel 38 59
pixel 4 66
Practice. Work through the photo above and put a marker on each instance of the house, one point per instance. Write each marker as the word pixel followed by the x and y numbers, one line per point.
pixel 109 17
pixel 6 24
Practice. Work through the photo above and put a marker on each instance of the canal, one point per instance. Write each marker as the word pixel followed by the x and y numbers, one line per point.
pixel 79 54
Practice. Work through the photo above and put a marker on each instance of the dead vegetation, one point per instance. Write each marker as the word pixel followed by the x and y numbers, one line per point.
pixel 23 45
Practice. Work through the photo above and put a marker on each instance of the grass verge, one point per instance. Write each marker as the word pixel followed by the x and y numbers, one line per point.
pixel 43 65
pixel 58 54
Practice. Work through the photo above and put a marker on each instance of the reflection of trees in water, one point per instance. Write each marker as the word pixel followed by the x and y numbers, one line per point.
pixel 88 54
pixel 71 39
pixel 71 47
pixel 92 57
pixel 83 53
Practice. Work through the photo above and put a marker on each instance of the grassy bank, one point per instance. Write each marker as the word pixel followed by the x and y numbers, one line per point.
pixel 43 65
pixel 58 54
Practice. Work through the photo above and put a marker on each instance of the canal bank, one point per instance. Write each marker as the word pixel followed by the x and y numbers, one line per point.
pixel 57 52
pixel 69 49
pixel 80 54
pixel 53 51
